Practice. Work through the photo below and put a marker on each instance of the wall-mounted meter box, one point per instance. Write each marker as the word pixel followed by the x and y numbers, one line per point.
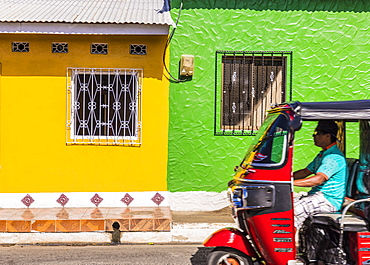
pixel 187 65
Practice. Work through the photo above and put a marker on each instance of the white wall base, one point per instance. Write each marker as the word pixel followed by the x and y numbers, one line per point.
pixel 198 201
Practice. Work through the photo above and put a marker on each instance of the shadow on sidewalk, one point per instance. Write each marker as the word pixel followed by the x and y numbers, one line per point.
pixel 200 257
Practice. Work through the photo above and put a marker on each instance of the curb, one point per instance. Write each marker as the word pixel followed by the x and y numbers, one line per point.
pixel 180 233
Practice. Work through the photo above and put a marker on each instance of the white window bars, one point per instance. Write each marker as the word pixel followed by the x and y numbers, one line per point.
pixel 104 106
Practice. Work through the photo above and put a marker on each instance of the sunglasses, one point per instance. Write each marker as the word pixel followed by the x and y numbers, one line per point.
pixel 318 132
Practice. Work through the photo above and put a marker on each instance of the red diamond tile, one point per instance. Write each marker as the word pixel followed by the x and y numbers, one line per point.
pixel 27 200
pixel 127 199
pixel 96 199
pixel 158 198
pixel 63 200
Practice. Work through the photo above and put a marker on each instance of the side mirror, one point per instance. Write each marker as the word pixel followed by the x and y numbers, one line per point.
pixel 296 123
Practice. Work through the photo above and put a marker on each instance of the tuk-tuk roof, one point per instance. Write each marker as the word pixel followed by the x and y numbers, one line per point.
pixel 336 110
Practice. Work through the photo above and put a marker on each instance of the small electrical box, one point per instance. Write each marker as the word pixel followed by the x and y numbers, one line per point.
pixel 187 65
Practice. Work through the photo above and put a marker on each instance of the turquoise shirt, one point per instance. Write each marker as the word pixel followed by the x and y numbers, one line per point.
pixel 333 164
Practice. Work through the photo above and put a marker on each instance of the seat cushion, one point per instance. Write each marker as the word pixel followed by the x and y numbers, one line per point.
pixel 352 223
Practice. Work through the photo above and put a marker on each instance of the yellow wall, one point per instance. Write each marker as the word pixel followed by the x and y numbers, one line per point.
pixel 34 156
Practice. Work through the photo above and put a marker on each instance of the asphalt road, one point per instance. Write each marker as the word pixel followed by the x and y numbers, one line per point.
pixel 105 254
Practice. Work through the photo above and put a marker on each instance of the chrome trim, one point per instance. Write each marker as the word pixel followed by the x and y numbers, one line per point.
pixel 239 196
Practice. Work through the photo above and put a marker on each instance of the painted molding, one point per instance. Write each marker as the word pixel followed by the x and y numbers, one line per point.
pixel 83 28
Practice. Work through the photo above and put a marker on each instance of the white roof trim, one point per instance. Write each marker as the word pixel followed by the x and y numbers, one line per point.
pixel 83 28
pixel 87 11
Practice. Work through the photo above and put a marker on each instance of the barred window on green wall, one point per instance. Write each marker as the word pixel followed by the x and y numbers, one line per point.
pixel 247 85
pixel 104 106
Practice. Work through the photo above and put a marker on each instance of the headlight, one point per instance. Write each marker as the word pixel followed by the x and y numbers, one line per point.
pixel 238 197
pixel 252 196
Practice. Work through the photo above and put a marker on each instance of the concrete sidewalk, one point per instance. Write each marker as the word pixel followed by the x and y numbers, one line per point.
pixel 143 225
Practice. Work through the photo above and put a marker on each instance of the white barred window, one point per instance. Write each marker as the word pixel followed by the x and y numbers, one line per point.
pixel 247 84
pixel 104 106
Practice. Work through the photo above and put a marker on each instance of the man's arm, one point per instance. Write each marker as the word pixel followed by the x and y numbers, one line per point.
pixel 300 174
pixel 313 181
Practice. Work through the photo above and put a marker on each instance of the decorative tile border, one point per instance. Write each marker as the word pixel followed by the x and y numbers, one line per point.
pixel 84 199
pixel 92 225
pixel 43 226
pixel 93 219
pixel 2 225
pixel 178 201
pixel 18 226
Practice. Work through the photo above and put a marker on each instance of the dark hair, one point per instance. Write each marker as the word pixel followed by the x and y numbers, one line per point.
pixel 333 138
pixel 328 126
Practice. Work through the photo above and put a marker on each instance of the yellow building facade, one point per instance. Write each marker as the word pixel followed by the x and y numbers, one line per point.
pixel 46 149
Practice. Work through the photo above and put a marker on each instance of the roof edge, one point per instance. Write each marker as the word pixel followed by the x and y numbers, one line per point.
pixel 83 28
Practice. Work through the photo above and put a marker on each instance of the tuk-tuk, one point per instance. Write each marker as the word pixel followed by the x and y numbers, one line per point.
pixel 261 195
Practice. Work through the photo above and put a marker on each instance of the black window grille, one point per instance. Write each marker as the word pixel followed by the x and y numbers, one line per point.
pixel 138 49
pixel 20 46
pixel 99 48
pixel 59 47
pixel 247 85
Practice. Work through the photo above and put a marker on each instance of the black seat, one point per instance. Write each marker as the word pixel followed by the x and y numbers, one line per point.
pixel 352 222
pixel 352 170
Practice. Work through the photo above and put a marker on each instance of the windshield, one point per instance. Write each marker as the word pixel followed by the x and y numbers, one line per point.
pixel 269 146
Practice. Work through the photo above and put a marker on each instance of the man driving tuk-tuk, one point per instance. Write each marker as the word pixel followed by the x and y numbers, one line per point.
pixel 328 176
pixel 261 192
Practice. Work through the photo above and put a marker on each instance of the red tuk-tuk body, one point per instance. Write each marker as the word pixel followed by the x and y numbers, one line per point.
pixel 261 193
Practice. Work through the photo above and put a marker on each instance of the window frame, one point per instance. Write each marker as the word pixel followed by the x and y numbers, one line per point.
pixel 73 136
pixel 220 129
pixel 270 138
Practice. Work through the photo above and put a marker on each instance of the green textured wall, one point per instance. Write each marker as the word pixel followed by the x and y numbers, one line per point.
pixel 330 44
